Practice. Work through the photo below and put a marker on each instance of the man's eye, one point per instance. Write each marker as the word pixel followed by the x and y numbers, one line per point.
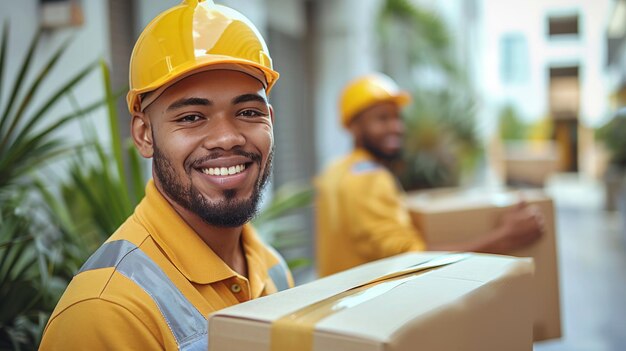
pixel 190 118
pixel 251 113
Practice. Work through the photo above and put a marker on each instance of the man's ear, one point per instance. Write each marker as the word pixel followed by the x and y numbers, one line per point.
pixel 141 131
pixel 272 113
pixel 354 127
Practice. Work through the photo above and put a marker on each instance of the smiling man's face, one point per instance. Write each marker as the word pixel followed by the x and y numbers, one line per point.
pixel 380 130
pixel 210 136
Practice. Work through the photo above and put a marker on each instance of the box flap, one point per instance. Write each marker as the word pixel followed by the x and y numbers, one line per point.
pixel 268 308
pixel 421 296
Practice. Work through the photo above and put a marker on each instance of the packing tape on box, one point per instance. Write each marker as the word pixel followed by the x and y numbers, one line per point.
pixel 295 330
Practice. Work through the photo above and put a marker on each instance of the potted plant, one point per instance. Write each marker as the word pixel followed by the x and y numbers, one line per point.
pixel 528 152
pixel 612 136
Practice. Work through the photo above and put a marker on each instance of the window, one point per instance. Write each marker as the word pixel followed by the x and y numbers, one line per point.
pixel 563 25
pixel 514 58
pixel 60 13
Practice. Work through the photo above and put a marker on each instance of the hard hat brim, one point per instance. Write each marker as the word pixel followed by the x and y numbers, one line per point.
pixel 199 65
pixel 401 98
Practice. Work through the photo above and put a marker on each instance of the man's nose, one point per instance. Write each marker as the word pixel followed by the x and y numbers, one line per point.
pixel 223 133
pixel 397 126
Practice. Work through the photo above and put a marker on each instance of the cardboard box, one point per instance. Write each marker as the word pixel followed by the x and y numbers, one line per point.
pixel 474 303
pixel 530 162
pixel 453 215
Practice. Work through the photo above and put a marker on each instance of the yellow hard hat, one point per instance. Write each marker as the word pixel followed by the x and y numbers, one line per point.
pixel 368 90
pixel 195 35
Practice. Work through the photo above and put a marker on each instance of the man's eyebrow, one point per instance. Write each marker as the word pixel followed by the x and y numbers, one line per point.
pixel 189 102
pixel 249 97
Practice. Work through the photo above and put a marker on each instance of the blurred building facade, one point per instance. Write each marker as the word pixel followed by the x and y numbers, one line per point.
pixel 547 59
pixel 616 55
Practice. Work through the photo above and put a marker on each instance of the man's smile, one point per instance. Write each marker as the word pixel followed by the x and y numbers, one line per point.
pixel 227 172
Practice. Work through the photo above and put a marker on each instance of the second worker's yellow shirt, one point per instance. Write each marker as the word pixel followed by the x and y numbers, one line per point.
pixel 360 215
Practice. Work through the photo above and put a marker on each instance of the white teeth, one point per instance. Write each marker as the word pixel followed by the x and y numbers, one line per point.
pixel 223 171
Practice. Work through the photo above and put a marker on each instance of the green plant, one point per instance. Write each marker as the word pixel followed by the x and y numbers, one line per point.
pixel 20 292
pixel 407 30
pixel 441 143
pixel 285 232
pixel 98 196
pixel 28 283
pixel 27 140
pixel 510 124
pixel 612 136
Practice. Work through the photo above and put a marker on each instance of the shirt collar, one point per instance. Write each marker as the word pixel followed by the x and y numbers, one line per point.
pixel 360 154
pixel 186 250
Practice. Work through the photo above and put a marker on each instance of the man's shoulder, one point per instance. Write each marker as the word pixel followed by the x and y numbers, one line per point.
pixel 100 277
pixel 108 309
pixel 108 284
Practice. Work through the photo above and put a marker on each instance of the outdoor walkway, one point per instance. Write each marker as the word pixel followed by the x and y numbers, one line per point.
pixel 592 249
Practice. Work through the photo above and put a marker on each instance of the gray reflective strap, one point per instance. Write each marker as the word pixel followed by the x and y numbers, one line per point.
pixel 279 277
pixel 185 321
pixel 108 255
pixel 365 166
pixel 279 271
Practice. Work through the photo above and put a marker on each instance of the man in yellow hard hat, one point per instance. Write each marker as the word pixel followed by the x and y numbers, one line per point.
pixel 200 75
pixel 360 213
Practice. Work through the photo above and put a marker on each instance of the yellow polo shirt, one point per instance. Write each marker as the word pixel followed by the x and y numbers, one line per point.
pixel 360 215
pixel 153 283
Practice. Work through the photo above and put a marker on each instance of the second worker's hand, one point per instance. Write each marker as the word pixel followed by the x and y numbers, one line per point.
pixel 519 226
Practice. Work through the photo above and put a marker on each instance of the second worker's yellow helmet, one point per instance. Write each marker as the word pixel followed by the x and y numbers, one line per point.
pixel 363 92
pixel 193 36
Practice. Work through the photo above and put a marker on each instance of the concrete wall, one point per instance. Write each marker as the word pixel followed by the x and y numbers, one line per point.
pixel 345 49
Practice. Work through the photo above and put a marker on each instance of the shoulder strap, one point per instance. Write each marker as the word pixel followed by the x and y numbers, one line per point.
pixel 279 272
pixel 187 324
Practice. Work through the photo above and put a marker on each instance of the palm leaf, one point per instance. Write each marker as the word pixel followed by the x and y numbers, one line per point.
pixel 60 92
pixel 3 52
pixel 27 98
pixel 29 281
pixel 116 139
pixel 18 81
pixel 288 198
pixel 37 146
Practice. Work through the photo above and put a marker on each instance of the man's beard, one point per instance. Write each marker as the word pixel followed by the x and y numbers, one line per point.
pixel 379 154
pixel 228 212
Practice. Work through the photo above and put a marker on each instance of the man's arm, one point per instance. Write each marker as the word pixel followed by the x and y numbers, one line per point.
pixel 379 223
pixel 520 226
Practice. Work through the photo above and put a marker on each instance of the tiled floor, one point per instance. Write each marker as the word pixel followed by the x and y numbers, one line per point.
pixel 592 257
